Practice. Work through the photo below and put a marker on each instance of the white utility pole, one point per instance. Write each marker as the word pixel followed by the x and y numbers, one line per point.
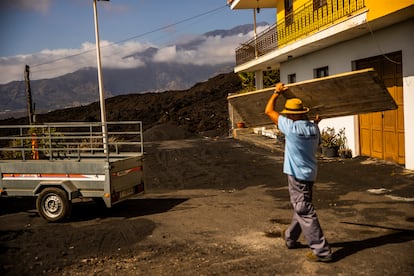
pixel 100 81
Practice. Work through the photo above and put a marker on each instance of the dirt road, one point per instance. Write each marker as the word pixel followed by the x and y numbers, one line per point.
pixel 216 207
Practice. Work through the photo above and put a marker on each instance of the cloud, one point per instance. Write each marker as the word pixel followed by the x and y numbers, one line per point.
pixel 53 63
pixel 167 54
pixel 116 8
pixel 213 50
pixel 38 5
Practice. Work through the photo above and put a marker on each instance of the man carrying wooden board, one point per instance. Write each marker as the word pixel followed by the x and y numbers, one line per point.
pixel 300 164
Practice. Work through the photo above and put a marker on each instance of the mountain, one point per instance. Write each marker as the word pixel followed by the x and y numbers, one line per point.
pixel 241 29
pixel 81 87
pixel 200 110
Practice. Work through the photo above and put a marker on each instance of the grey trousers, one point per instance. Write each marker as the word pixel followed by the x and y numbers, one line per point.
pixel 305 219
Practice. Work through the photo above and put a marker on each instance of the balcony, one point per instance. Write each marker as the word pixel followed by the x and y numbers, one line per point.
pixel 300 23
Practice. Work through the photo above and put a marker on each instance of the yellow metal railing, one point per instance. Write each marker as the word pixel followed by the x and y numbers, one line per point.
pixel 302 22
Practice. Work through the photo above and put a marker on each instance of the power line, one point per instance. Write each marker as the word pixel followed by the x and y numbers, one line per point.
pixel 135 37
pixel 378 45
pixel 171 25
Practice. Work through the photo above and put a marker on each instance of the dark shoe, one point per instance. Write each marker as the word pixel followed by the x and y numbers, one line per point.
pixel 295 245
pixel 291 246
pixel 313 258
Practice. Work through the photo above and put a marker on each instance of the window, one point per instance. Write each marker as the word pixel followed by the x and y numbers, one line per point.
pixel 318 4
pixel 288 12
pixel 292 78
pixel 321 72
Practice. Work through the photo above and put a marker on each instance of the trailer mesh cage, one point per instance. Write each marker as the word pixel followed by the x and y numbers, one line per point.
pixel 70 140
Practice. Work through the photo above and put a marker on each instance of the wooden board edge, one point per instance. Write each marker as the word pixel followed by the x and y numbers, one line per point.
pixel 303 82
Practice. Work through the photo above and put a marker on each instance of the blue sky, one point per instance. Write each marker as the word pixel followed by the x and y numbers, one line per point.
pixel 37 31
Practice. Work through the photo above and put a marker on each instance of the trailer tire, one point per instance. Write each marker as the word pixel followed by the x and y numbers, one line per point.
pixel 53 204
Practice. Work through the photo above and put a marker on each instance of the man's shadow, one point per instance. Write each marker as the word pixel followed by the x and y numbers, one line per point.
pixel 348 248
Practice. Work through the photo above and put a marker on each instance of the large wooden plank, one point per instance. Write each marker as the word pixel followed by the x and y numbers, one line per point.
pixel 344 94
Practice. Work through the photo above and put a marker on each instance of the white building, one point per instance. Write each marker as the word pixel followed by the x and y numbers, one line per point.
pixel 314 38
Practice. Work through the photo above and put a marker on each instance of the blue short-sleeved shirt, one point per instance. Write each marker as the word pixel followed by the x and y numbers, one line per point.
pixel 302 138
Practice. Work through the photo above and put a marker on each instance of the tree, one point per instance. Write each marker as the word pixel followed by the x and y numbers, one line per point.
pixel 247 81
pixel 270 78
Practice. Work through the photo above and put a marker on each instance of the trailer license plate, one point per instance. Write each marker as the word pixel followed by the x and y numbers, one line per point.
pixel 126 192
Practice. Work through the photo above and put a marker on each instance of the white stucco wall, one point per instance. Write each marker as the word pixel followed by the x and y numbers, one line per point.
pixel 408 86
pixel 339 60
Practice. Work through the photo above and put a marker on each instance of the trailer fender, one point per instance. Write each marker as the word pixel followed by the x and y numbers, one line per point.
pixel 67 186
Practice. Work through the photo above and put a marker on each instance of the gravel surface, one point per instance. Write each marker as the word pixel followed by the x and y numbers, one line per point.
pixel 216 207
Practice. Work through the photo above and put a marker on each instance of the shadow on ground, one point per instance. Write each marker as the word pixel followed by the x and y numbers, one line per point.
pixel 351 247
pixel 129 209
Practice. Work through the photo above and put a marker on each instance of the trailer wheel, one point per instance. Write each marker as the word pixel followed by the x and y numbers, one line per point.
pixel 53 204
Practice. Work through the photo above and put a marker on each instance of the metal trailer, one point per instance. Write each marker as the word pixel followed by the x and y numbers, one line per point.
pixel 60 162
